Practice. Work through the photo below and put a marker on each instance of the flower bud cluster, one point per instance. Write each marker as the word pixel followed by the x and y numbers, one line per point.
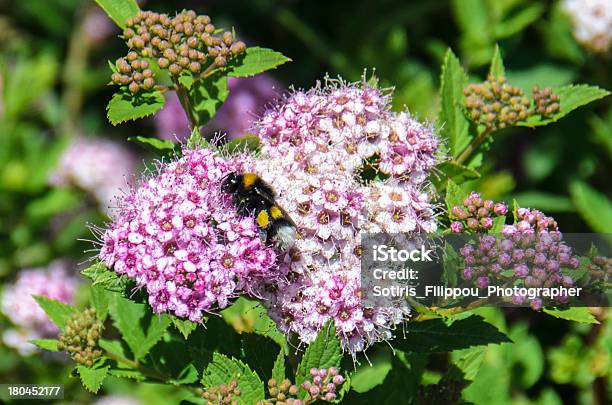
pixel 495 103
pixel 222 394
pixel 532 249
pixel 546 102
pixel 600 268
pixel 80 337
pixel 185 43
pixel 281 393
pixel 323 384
pixel 475 214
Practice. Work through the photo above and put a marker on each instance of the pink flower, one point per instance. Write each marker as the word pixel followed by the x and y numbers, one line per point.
pixel 178 235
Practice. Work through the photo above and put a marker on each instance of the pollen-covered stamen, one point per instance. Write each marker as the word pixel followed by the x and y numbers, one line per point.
pixel 166 224
pixel 303 208
pixel 189 221
pixel 227 260
pixel 332 196
pixel 323 217
pixel 398 215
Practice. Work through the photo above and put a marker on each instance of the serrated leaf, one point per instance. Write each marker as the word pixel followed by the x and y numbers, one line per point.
pixel 436 336
pixel 139 327
pixel 100 275
pixel 125 106
pixel 570 98
pixel 452 171
pixel 119 10
pixel 576 314
pixel 57 311
pixel 186 80
pixel 100 300
pixel 453 123
pixel 207 95
pixel 185 326
pixel 593 206
pixel 46 344
pixel 278 371
pixel 222 370
pixel 454 195
pixel 154 143
pixel 257 60
pixel 497 64
pixel 126 373
pixel 324 352
pixel 92 378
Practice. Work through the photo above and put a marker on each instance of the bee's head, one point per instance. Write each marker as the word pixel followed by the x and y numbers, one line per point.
pixel 231 182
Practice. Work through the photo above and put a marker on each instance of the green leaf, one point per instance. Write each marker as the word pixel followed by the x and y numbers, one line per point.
pixel 576 314
pixel 570 98
pixel 436 336
pixel 185 326
pixel 257 60
pixel 125 106
pixel 241 144
pixel 186 80
pixel 452 171
pixel 593 206
pixel 454 195
pixel 222 370
pixel 451 264
pixel 207 95
pixel 92 378
pixel 57 200
pixel 497 64
pixel 324 352
pixel 498 224
pixel 46 344
pixel 469 361
pixel 102 276
pixel 57 311
pixel 453 123
pixel 368 376
pixel 519 21
pixel 119 10
pixel 154 143
pixel 100 300
pixel 139 327
pixel 278 371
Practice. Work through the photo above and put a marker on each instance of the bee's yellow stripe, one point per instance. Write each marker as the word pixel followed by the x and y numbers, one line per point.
pixel 248 179
pixel 263 219
pixel 276 212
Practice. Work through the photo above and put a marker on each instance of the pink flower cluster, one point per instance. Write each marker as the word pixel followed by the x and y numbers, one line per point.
pixel 96 165
pixel 342 163
pixel 178 235
pixel 19 306
pixel 532 248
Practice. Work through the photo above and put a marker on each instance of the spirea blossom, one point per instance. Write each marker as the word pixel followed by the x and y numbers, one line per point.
pixel 98 166
pixel 326 151
pixel 592 22
pixel 19 306
pixel 179 237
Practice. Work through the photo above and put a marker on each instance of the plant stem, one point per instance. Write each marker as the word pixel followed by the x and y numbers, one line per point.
pixel 473 146
pixel 184 99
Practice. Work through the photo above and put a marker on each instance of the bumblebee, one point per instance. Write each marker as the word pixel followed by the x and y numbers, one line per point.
pixel 253 197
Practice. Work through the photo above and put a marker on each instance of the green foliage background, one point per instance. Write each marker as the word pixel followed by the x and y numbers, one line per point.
pixel 53 85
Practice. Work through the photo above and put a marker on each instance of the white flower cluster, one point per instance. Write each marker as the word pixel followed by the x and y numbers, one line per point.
pixel 592 22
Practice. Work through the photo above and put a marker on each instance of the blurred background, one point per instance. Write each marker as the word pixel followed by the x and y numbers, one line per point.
pixel 61 162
